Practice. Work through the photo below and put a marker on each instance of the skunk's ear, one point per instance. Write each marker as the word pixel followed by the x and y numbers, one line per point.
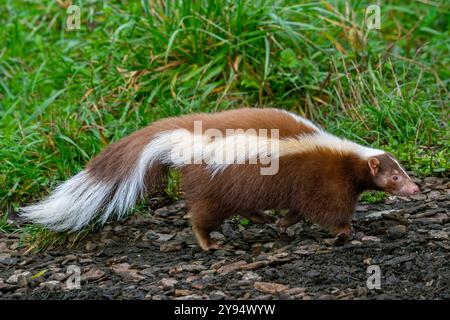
pixel 374 165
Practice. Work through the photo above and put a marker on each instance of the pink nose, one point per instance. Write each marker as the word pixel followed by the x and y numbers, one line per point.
pixel 415 189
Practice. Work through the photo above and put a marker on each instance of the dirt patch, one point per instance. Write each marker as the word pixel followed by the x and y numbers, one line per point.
pixel 156 257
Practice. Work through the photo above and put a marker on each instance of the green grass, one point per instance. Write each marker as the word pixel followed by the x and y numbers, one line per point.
pixel 64 95
pixel 373 197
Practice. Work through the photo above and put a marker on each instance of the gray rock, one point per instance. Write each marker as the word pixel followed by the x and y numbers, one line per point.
pixel 359 235
pixel 90 246
pixel 92 275
pixel 228 231
pixel 437 219
pixel 251 276
pixel 217 295
pixel 270 287
pixel 6 287
pixel 175 245
pixel 438 235
pixel 167 282
pixel 22 281
pixel 397 231
pixel 50 285
pixel 14 278
pixel 165 212
pixel 7 259
pixel 126 272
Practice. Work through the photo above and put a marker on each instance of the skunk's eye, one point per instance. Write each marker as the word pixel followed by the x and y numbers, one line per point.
pixel 395 178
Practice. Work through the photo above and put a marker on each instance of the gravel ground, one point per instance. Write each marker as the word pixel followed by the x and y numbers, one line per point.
pixel 155 257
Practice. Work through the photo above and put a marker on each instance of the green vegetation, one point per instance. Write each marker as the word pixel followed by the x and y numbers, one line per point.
pixel 64 95
pixel 373 197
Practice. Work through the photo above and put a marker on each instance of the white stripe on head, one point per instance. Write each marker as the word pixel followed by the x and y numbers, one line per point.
pixel 398 164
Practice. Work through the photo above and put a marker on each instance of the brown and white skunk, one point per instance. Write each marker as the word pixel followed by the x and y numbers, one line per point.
pixel 317 175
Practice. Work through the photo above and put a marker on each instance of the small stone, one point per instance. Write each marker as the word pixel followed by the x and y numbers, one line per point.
pixel 5 287
pixel 182 292
pixel 92 275
pixel 255 265
pixel 193 267
pixel 270 287
pixel 86 261
pixel 329 242
pixel 430 180
pixel 218 264
pixel 6 259
pixel 58 276
pixel 438 235
pixel 124 270
pixel 228 231
pixel 160 237
pixel 165 212
pixel 217 236
pixel 419 197
pixel 377 214
pixel 190 297
pixel 22 281
pixel 251 276
pixel 370 238
pixel 437 219
pixel 167 282
pixel 359 235
pixel 90 246
pixel 434 195
pixel 295 291
pixel 118 229
pixel 397 231
pixel 136 219
pixel 51 285
pixel 4 248
pixel 248 234
pixel 231 267
pixel 69 258
pixel 14 278
pixel 217 295
pixel 149 272
pixel 171 246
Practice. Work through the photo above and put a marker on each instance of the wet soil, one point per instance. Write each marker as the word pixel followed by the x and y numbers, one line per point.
pixel 406 241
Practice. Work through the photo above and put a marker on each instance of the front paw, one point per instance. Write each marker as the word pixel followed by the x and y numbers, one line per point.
pixel 341 238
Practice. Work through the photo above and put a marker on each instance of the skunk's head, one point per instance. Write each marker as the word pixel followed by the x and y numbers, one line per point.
pixel 389 176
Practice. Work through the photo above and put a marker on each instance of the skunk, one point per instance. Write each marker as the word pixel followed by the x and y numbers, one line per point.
pixel 233 162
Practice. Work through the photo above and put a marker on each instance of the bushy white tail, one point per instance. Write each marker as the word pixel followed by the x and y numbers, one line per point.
pixel 72 205
pixel 76 202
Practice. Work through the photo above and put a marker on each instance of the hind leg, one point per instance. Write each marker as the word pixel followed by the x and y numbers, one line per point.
pixel 204 219
pixel 156 178
pixel 342 232
pixel 258 217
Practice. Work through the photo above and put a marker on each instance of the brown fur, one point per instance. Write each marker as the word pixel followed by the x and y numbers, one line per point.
pixel 321 186
pixel 116 161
